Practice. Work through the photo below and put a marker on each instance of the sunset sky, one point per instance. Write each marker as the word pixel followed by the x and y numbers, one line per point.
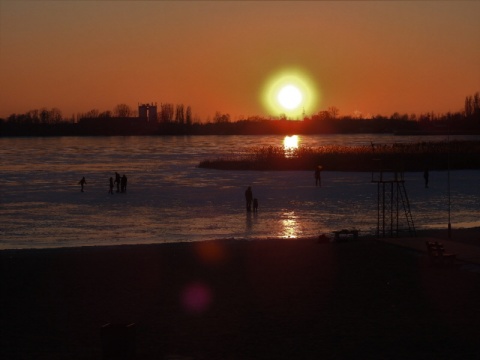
pixel 374 57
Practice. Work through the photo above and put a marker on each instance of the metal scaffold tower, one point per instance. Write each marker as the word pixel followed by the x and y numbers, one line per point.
pixel 392 200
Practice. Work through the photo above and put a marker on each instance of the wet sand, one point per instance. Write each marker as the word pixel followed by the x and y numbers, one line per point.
pixel 232 299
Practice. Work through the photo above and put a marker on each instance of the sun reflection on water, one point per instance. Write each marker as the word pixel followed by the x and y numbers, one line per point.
pixel 291 227
pixel 291 142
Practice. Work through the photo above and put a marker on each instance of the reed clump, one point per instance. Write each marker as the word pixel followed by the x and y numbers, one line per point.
pixel 456 155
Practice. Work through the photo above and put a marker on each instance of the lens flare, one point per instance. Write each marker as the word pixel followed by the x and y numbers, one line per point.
pixel 290 93
pixel 211 252
pixel 196 297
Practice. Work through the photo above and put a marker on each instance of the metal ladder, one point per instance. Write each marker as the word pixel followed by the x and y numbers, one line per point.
pixel 406 207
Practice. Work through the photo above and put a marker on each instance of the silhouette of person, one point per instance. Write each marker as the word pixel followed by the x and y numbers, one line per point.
pixel 124 184
pixel 318 179
pixel 82 182
pixel 111 186
pixel 255 205
pixel 425 176
pixel 117 181
pixel 248 198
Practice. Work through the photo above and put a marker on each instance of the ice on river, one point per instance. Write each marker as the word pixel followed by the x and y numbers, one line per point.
pixel 198 204
pixel 170 199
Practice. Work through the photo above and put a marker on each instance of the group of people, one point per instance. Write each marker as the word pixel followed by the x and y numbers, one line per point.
pixel 251 200
pixel 121 182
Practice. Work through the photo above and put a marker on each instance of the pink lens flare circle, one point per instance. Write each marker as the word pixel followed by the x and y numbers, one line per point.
pixel 196 298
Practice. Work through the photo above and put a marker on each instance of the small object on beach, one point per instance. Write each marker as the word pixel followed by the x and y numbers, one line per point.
pixel 345 234
pixel 437 254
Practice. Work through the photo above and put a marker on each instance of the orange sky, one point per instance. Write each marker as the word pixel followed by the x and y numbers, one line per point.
pixel 376 57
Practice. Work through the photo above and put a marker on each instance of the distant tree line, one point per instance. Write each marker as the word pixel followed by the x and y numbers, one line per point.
pixel 472 105
pixel 178 120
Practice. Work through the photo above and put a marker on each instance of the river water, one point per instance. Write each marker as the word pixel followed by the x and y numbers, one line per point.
pixel 170 199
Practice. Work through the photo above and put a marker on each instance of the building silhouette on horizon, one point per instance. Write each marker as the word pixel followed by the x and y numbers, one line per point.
pixel 148 112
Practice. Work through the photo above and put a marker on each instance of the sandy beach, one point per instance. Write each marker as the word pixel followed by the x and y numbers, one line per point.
pixel 232 299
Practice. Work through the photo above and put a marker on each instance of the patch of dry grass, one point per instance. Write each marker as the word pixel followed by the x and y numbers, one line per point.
pixel 403 157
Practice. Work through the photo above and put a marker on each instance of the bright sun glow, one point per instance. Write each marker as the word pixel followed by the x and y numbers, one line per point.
pixel 290 93
pixel 289 97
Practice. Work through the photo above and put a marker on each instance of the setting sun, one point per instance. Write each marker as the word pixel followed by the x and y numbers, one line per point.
pixel 290 92
pixel 290 97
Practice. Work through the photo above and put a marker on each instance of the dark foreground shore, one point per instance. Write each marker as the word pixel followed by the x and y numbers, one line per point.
pixel 268 299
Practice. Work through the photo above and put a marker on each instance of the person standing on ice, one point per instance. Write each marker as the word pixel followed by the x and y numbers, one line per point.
pixel 248 198
pixel 117 181
pixel 82 182
pixel 111 186
pixel 426 176
pixel 318 179
pixel 124 183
